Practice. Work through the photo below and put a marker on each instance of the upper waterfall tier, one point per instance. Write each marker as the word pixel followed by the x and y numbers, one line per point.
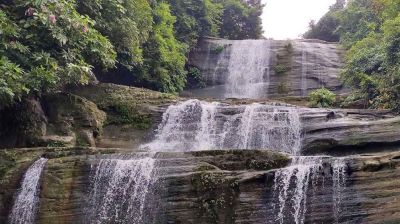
pixel 266 68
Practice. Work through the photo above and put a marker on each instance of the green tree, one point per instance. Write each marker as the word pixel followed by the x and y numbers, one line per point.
pixel 241 20
pixel 195 19
pixel 370 29
pixel 45 45
pixel 164 66
pixel 326 28
pixel 126 23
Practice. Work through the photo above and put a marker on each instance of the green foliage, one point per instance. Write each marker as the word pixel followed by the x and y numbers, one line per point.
pixel 218 49
pixel 371 32
pixel 45 45
pixel 326 28
pixel 281 69
pixel 126 23
pixel 322 98
pixel 195 19
pixel 164 67
pixel 241 19
pixel 127 114
pixel 195 79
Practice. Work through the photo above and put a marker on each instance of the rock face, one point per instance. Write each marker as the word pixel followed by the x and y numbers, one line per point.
pixel 290 67
pixel 230 124
pixel 104 115
pixel 341 130
pixel 215 187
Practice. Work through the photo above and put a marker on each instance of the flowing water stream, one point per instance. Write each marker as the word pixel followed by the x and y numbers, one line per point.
pixel 248 69
pixel 292 186
pixel 120 187
pixel 199 125
pixel 121 184
pixel 26 202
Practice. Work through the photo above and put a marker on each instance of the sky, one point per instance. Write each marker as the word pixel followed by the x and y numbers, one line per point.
pixel 288 19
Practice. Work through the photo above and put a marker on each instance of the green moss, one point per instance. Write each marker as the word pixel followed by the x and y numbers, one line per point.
pixel 7 162
pixel 125 105
pixel 126 114
pixel 281 69
pixel 216 196
pixel 217 49
pixel 56 144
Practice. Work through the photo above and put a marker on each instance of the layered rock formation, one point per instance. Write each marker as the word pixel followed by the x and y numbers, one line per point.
pixel 293 67
pixel 214 187
pixel 104 115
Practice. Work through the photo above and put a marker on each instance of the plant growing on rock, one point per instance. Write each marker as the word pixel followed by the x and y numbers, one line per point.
pixel 195 78
pixel 218 49
pixel 322 98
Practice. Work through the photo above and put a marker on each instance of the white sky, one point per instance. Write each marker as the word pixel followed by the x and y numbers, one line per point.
pixel 288 19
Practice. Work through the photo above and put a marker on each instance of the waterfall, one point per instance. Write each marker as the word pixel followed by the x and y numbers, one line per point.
pixel 248 69
pixel 304 69
pixel 120 188
pixel 339 167
pixel 26 202
pixel 292 183
pixel 197 125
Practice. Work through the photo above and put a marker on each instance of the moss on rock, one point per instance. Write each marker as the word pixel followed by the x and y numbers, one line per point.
pixel 125 105
pixel 245 159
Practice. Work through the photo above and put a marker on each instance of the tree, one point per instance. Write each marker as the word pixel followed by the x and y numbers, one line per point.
pixel 326 28
pixel 165 59
pixel 126 23
pixel 45 45
pixel 241 20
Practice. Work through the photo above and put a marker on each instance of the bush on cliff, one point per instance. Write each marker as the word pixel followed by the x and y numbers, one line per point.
pixel 322 98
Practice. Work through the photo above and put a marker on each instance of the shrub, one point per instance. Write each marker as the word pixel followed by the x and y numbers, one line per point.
pixel 195 78
pixel 218 49
pixel 281 69
pixel 322 98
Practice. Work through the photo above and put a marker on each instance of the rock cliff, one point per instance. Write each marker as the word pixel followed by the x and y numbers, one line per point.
pixel 211 186
pixel 292 67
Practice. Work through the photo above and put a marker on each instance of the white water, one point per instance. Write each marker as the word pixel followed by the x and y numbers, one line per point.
pixel 339 183
pixel 248 69
pixel 197 125
pixel 120 189
pixel 292 183
pixel 304 69
pixel 26 203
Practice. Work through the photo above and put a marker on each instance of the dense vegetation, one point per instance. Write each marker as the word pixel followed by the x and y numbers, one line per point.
pixel 46 45
pixel 370 31
pixel 322 98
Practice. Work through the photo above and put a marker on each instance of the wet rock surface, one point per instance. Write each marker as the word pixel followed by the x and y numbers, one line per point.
pixel 215 187
pixel 294 67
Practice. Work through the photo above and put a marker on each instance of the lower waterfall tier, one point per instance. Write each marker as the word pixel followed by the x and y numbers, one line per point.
pixel 238 186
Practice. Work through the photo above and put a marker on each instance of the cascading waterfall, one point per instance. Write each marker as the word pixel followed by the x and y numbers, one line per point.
pixel 197 125
pixel 248 69
pixel 304 69
pixel 26 202
pixel 292 183
pixel 120 188
pixel 339 167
